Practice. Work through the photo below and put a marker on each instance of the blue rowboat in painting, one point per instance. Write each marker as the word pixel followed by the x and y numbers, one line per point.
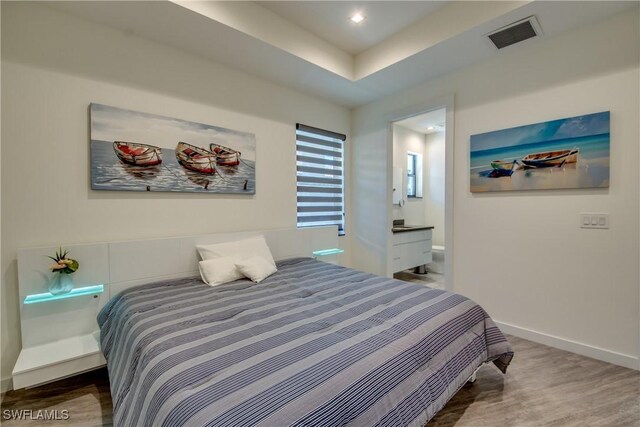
pixel 196 159
pixel 136 154
pixel 502 165
pixel 502 168
pixel 551 158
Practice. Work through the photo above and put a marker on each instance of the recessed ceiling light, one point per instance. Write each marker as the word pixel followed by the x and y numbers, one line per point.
pixel 357 17
pixel 431 128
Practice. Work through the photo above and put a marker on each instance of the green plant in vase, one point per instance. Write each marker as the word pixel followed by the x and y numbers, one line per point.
pixel 64 267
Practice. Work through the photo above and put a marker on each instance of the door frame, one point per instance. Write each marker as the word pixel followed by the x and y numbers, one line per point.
pixel 446 102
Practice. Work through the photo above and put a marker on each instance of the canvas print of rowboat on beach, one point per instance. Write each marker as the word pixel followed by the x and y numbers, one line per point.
pixel 136 151
pixel 564 153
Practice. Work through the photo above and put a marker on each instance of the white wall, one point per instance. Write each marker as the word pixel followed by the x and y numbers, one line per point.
pixel 522 255
pixel 53 66
pixel 434 171
pixel 404 141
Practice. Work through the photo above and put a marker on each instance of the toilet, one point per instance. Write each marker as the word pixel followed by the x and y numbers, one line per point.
pixel 437 265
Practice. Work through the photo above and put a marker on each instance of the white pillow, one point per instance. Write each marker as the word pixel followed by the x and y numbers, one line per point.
pixel 217 271
pixel 256 268
pixel 238 249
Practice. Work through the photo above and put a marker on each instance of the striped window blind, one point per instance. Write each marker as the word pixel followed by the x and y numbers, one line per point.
pixel 320 177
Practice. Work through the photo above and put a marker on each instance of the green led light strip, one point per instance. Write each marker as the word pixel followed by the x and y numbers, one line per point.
pixel 328 252
pixel 76 292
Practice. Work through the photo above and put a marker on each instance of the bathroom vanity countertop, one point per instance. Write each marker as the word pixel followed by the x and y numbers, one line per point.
pixel 405 228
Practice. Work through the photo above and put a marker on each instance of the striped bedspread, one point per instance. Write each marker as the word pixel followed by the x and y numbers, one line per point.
pixel 313 345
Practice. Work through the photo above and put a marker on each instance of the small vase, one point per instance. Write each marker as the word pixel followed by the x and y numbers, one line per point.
pixel 60 283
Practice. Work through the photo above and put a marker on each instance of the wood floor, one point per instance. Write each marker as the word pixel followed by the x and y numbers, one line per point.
pixel 543 387
pixel 433 280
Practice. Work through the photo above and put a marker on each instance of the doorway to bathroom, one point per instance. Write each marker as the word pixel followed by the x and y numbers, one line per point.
pixel 421 198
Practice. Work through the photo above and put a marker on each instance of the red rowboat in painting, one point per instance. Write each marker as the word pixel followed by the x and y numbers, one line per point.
pixel 196 159
pixel 135 154
pixel 225 156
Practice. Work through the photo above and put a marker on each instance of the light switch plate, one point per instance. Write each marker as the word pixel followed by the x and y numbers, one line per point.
pixel 594 220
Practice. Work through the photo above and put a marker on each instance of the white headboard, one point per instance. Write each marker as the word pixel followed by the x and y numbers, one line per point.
pixel 120 265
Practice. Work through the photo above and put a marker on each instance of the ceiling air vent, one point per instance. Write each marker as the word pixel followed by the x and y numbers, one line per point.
pixel 515 33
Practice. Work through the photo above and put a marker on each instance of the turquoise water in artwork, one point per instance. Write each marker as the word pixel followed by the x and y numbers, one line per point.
pixel 109 173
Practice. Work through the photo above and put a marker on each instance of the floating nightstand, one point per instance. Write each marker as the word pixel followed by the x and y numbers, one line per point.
pixel 66 343
pixel 60 333
pixel 76 292
pixel 325 252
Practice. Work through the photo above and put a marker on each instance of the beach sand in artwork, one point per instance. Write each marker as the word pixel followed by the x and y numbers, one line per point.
pixel 586 173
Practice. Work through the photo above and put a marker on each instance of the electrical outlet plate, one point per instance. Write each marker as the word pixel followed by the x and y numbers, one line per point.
pixel 594 220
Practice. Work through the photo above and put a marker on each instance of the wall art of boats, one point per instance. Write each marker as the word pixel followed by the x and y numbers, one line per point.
pixel 136 154
pixel 225 156
pixel 551 158
pixel 195 158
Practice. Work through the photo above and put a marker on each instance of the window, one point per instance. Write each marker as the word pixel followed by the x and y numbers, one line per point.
pixel 320 177
pixel 414 175
pixel 411 174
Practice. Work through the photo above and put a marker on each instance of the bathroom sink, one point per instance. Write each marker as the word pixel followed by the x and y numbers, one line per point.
pixel 399 226
pixel 402 227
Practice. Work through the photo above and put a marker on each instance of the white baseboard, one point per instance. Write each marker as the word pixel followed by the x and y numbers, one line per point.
pixel 609 356
pixel 6 384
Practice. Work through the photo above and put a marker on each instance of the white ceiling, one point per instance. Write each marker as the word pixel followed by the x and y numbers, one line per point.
pixel 330 19
pixel 258 40
pixel 422 123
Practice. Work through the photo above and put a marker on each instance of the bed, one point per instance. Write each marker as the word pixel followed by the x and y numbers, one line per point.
pixel 314 344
